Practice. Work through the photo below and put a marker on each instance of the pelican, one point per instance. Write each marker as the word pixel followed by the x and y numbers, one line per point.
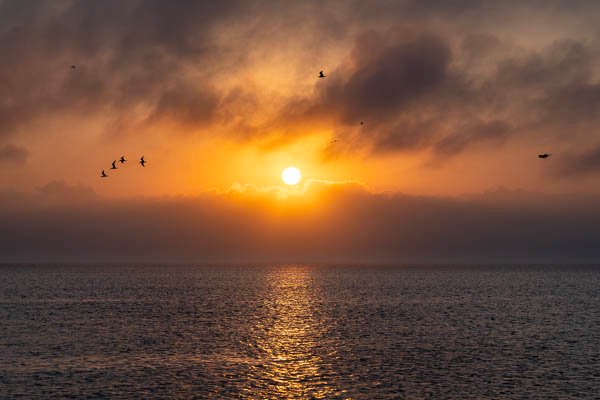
pixel 113 165
pixel 122 160
pixel 142 161
pixel 103 175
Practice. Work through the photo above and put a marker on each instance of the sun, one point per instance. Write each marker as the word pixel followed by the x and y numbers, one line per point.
pixel 291 175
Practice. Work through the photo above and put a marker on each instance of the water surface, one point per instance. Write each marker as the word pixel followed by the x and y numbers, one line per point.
pixel 270 332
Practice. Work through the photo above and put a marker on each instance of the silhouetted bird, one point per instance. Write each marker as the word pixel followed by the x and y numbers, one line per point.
pixel 322 75
pixel 122 160
pixel 103 175
pixel 545 155
pixel 334 140
pixel 142 161
pixel 362 123
pixel 113 165
pixel 73 67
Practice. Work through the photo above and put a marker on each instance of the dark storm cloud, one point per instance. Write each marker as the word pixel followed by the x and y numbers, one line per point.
pixel 418 91
pixel 386 78
pixel 435 76
pixel 409 95
pixel 361 226
pixel 127 54
pixel 13 155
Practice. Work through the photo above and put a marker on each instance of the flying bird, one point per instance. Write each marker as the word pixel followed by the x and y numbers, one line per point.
pixel 122 160
pixel 545 155
pixel 362 123
pixel 334 140
pixel 322 75
pixel 103 175
pixel 73 67
pixel 113 165
pixel 142 161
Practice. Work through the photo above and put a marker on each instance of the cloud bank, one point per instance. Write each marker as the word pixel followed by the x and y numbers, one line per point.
pixel 330 222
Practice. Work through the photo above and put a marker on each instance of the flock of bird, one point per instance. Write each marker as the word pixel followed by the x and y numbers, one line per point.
pixel 122 160
pixel 142 162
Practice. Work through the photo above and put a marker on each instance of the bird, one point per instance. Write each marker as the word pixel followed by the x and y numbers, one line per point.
pixel 362 123
pixel 545 155
pixel 334 140
pixel 73 67
pixel 103 175
pixel 322 75
pixel 122 160
pixel 113 165
pixel 142 161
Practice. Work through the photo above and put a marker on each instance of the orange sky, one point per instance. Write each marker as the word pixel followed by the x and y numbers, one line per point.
pixel 236 102
pixel 457 98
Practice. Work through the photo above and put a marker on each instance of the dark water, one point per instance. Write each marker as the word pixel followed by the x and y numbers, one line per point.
pixel 299 332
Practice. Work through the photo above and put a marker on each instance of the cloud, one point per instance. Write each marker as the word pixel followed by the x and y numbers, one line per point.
pixel 129 57
pixel 580 164
pixel 386 77
pixel 433 79
pixel 13 155
pixel 476 131
pixel 64 192
pixel 330 222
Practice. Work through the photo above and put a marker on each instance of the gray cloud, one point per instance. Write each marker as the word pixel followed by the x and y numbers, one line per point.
pixel 417 93
pixel 475 131
pixel 60 191
pixel 386 77
pixel 127 55
pixel 578 164
pixel 423 75
pixel 361 226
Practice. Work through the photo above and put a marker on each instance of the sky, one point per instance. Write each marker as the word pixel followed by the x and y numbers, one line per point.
pixel 420 144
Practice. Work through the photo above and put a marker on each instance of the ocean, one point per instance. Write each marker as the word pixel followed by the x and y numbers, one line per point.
pixel 299 332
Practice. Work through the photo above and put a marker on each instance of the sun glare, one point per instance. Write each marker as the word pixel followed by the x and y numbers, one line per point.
pixel 291 175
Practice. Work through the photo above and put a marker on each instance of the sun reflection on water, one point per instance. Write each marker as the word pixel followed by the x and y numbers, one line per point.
pixel 289 342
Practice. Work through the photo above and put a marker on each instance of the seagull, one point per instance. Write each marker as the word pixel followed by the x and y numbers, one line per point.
pixel 113 165
pixel 122 160
pixel 322 75
pixel 73 67
pixel 142 161
pixel 545 155
pixel 103 175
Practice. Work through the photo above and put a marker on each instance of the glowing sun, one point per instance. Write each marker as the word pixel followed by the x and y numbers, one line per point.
pixel 291 175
